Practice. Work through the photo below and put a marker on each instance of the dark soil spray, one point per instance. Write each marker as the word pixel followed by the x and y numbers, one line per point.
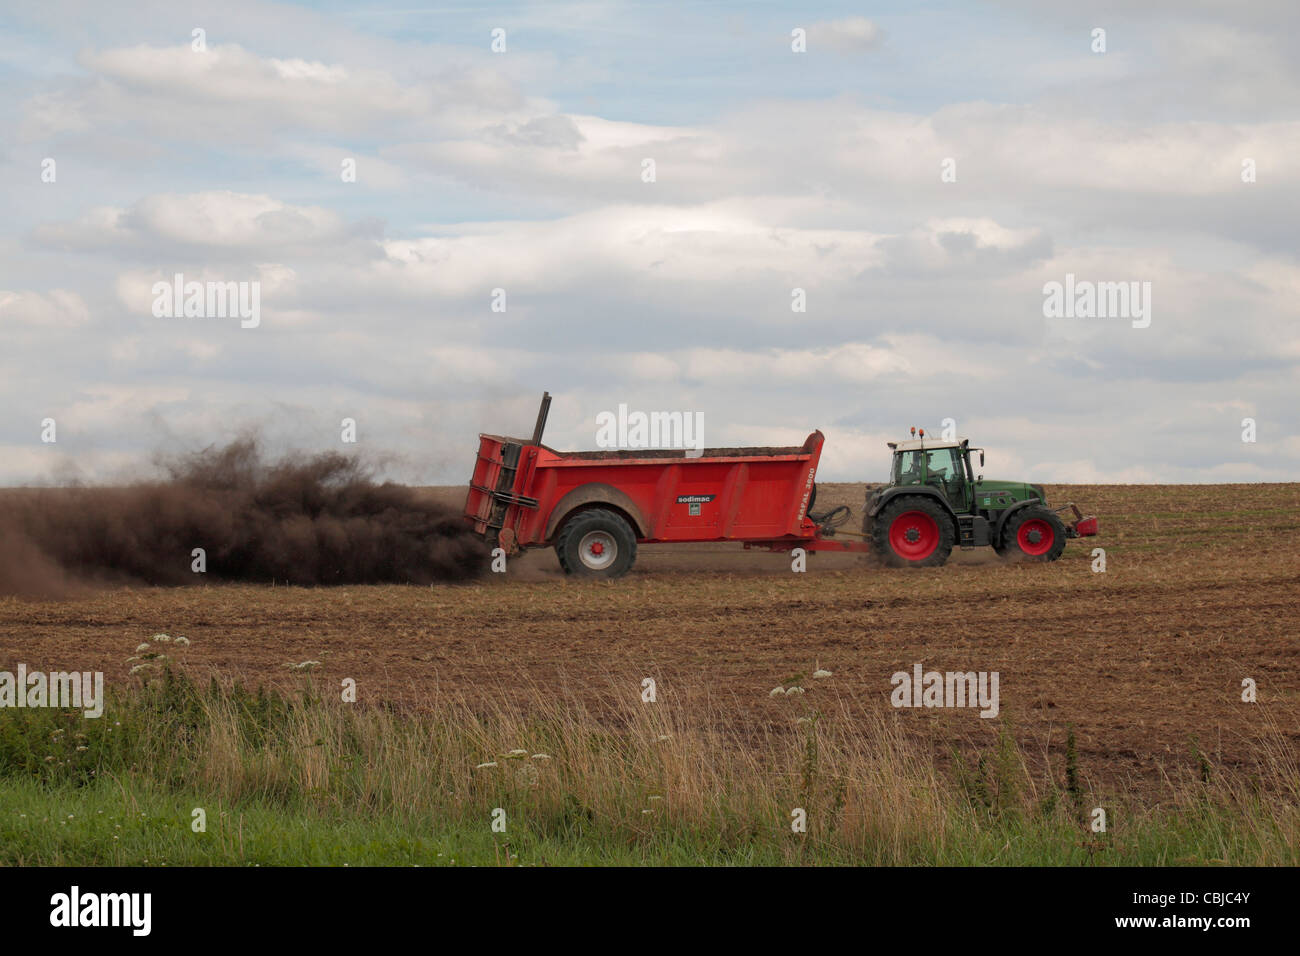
pixel 302 519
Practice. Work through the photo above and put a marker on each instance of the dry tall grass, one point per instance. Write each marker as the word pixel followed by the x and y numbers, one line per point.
pixel 629 774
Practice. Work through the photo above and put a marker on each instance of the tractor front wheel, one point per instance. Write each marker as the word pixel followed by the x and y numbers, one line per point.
pixel 913 532
pixel 1033 534
pixel 596 544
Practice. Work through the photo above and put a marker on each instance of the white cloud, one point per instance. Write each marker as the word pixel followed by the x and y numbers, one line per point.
pixel 56 309
pixel 217 218
pixel 849 35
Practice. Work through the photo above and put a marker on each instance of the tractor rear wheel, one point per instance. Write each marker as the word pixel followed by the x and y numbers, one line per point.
pixel 596 544
pixel 913 532
pixel 1033 534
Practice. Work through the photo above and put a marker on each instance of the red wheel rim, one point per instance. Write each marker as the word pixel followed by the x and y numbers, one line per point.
pixel 1035 537
pixel 914 535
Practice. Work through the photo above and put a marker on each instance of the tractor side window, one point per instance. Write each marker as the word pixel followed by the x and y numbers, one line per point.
pixel 942 465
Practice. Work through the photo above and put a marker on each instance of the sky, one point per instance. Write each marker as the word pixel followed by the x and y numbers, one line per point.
pixel 920 172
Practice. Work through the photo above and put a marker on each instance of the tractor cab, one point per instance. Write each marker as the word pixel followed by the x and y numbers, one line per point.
pixel 943 465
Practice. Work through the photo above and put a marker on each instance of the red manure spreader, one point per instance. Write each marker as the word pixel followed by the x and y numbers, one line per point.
pixel 595 507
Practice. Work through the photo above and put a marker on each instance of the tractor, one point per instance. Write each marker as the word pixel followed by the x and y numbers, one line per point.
pixel 934 501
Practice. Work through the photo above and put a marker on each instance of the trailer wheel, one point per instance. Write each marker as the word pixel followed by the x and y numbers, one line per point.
pixel 913 532
pixel 596 544
pixel 1034 534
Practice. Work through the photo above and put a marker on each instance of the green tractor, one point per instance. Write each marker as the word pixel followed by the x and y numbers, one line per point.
pixel 934 501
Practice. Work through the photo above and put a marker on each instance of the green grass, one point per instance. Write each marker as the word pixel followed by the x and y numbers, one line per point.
pixel 108 824
pixel 309 781
pixel 105 824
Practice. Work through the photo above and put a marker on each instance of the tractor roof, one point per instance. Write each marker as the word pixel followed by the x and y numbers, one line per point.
pixel 926 443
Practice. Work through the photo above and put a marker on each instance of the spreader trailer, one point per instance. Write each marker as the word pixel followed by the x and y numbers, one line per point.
pixel 595 507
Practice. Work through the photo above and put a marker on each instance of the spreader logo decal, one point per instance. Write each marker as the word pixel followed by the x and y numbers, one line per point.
pixel 693 502
pixel 807 493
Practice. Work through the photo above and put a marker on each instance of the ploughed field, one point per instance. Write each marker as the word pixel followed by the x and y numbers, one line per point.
pixel 1144 661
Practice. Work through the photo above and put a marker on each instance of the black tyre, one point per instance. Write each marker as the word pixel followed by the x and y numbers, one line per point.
pixel 596 544
pixel 1033 534
pixel 912 532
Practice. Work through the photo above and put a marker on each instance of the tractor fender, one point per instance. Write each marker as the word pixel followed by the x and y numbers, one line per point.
pixel 595 493
pixel 923 490
pixel 995 534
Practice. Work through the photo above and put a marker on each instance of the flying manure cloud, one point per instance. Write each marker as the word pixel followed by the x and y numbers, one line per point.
pixel 301 519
